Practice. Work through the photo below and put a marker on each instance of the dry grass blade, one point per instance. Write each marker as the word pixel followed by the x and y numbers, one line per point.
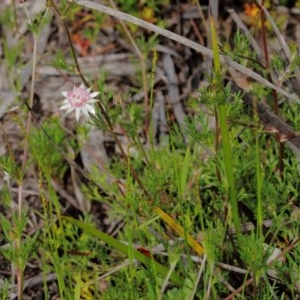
pixel 214 8
pixel 281 39
pixel 173 36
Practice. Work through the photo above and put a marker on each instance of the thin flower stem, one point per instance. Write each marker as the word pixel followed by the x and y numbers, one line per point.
pixel 31 96
pixel 17 244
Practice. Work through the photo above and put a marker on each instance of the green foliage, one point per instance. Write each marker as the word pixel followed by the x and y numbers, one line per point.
pixel 217 167
pixel 4 290
pixel 132 8
pixel 7 17
pixel 41 20
pixel 14 233
pixel 92 33
pixel 60 62
pixel 252 253
pixel 12 54
pixel 147 44
pixel 44 145
pixel 11 167
pixel 12 60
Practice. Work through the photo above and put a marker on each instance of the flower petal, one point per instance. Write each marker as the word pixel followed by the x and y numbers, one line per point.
pixel 77 114
pixel 90 109
pixel 93 101
pixel 69 110
pixel 95 94
pixel 65 93
pixel 65 106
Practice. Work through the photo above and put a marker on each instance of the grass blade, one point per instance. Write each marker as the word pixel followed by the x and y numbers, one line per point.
pixel 149 262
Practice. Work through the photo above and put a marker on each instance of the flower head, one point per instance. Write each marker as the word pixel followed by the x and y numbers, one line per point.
pixel 80 100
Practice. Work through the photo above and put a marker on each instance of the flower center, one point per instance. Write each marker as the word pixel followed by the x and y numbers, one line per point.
pixel 78 97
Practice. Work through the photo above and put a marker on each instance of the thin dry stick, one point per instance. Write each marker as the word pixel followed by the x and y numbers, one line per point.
pixel 207 296
pixel 167 280
pixel 173 36
pixel 192 296
pixel 280 38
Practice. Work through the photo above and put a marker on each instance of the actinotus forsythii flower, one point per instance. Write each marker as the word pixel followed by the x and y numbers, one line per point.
pixel 79 99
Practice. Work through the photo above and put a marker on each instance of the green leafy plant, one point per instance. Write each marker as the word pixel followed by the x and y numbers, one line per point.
pixel 165 220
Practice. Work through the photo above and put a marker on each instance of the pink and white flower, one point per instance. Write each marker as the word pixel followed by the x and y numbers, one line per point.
pixel 79 99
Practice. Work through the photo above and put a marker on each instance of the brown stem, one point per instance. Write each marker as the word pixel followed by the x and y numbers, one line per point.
pixel 267 68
